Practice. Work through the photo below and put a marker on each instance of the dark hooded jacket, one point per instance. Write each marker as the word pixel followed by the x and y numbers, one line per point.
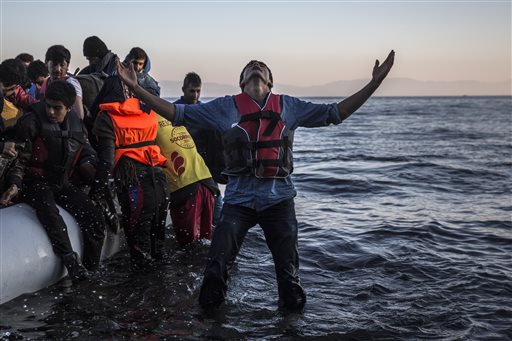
pixel 145 80
pixel 106 67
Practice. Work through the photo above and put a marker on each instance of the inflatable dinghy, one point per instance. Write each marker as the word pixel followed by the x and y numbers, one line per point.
pixel 27 260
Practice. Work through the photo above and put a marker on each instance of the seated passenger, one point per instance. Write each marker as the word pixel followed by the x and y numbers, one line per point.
pixel 9 164
pixel 25 60
pixel 56 145
pixel 37 73
pixel 12 74
pixel 142 65
pixel 57 60
pixel 101 59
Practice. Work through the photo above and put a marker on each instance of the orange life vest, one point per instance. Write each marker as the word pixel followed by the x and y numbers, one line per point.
pixel 135 132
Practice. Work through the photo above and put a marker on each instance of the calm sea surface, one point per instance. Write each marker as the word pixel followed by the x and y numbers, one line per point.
pixel 405 233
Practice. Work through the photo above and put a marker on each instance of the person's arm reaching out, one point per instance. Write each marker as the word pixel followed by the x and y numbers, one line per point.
pixel 350 104
pixel 159 105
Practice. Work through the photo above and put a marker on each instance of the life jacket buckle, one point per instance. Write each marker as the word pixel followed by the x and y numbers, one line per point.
pixel 266 114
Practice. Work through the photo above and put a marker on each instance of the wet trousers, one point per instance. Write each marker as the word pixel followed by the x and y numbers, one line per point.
pixel 217 207
pixel 193 220
pixel 144 208
pixel 280 228
pixel 44 198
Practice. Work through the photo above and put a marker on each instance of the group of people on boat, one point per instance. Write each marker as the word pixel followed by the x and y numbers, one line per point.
pixel 80 140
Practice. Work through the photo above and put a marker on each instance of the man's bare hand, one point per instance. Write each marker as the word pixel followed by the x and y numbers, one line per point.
pixel 10 149
pixel 381 71
pixel 8 195
pixel 127 74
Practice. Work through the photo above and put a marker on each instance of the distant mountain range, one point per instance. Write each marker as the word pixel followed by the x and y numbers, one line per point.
pixel 391 87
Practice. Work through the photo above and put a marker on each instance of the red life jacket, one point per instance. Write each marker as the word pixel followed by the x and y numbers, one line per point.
pixel 135 132
pixel 260 144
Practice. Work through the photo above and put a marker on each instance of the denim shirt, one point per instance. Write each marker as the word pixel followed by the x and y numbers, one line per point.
pixel 221 114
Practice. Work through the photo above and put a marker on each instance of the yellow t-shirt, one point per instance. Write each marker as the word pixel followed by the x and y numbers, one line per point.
pixel 184 165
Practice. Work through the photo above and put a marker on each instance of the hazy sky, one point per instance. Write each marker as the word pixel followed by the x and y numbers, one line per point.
pixel 303 42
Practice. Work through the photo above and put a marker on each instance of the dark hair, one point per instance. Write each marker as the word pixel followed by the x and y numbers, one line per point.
pixel 25 57
pixel 246 66
pixel 192 79
pixel 63 91
pixel 35 69
pixel 57 54
pixel 94 47
pixel 137 53
pixel 12 71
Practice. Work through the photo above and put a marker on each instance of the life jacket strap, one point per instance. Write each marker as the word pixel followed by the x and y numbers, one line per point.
pixel 273 116
pixel 260 114
pixel 62 134
pixel 270 162
pixel 137 145
pixel 268 144
pixel 254 145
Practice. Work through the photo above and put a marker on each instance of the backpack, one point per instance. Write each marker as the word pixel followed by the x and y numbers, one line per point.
pixel 91 84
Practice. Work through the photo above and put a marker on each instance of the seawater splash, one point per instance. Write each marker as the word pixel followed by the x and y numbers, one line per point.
pixel 405 232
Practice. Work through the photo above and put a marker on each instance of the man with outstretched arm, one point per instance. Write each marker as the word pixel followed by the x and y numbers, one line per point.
pixel 258 128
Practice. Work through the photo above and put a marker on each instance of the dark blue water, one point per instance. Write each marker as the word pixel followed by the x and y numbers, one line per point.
pixel 405 233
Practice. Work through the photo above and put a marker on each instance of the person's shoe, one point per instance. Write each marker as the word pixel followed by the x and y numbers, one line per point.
pixel 76 271
pixel 293 298
pixel 211 295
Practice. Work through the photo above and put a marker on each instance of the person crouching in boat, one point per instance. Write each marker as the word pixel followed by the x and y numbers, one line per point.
pixel 125 133
pixel 56 146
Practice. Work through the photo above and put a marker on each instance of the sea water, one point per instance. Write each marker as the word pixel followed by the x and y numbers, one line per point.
pixel 405 233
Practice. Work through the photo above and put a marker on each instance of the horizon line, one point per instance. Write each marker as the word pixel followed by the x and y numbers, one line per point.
pixel 366 79
pixel 376 96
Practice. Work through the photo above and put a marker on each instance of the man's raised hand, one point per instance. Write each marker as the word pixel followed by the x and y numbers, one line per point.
pixel 127 74
pixel 381 71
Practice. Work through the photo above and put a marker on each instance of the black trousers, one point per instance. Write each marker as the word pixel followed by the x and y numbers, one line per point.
pixel 44 198
pixel 280 228
pixel 144 209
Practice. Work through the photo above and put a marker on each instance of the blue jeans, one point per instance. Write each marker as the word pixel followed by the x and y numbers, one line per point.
pixel 280 228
